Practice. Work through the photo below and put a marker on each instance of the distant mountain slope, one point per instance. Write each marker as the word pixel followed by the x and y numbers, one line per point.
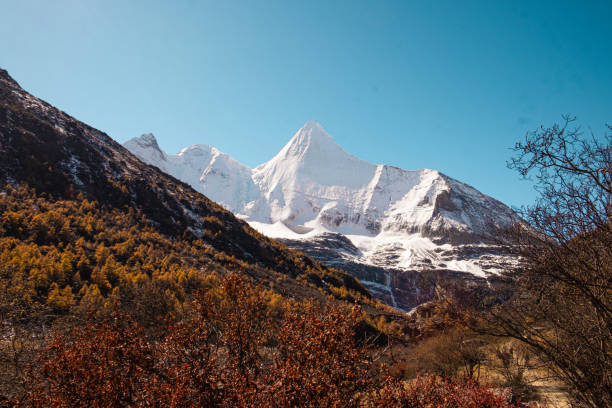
pixel 344 211
pixel 201 166
pixel 312 183
pixel 57 155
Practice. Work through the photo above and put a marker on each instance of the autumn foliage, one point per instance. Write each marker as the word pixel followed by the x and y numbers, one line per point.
pixel 436 392
pixel 233 350
pixel 75 255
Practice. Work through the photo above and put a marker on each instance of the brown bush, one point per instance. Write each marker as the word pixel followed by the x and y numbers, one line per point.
pixel 432 391
pixel 228 352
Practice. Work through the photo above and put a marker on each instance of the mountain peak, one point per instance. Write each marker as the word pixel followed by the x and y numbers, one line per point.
pixel 311 132
pixel 311 139
pixel 312 157
pixel 144 143
pixel 312 124
pixel 148 139
pixel 198 149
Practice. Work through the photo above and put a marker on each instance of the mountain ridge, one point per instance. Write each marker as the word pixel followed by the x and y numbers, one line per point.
pixel 316 197
pixel 311 164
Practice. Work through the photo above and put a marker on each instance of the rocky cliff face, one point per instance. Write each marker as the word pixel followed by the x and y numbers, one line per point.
pixel 381 223
pixel 407 287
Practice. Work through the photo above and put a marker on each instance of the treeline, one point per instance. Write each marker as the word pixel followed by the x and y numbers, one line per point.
pixel 65 256
pixel 75 255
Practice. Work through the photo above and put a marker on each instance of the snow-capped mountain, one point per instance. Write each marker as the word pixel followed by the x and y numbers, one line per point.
pixel 313 183
pixel 205 168
pixel 315 196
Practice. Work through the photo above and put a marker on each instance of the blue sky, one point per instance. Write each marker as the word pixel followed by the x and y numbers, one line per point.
pixel 443 84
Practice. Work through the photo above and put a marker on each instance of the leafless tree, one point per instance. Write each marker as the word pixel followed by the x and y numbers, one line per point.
pixel 563 299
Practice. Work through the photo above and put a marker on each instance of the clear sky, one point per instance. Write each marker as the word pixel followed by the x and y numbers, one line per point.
pixel 449 85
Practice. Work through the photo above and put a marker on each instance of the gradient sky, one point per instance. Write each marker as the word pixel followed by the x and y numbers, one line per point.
pixel 449 85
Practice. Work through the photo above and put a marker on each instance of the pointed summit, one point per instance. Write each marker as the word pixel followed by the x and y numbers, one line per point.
pixel 311 157
pixel 311 145
pixel 314 127
pixel 148 139
pixel 145 147
pixel 311 133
